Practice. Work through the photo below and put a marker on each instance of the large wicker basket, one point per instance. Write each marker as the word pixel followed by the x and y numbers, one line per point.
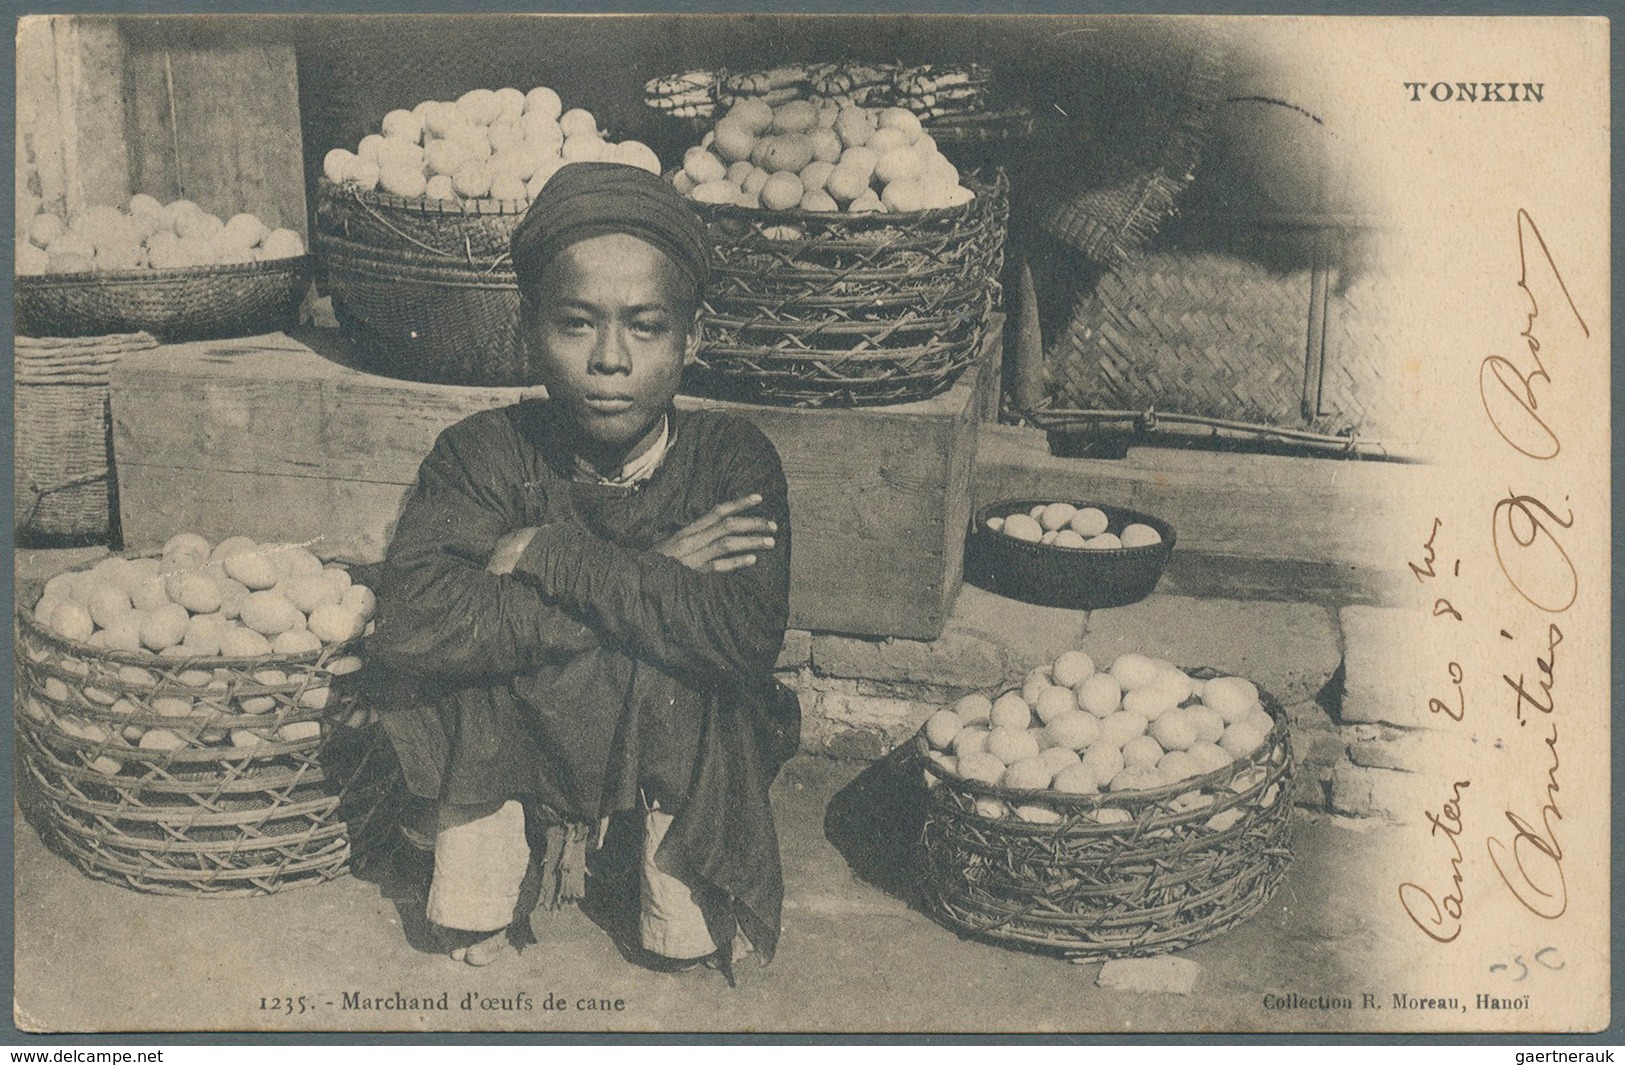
pixel 206 817
pixel 805 308
pixel 473 234
pixel 419 317
pixel 818 309
pixel 1122 874
pixel 193 303
pixel 62 456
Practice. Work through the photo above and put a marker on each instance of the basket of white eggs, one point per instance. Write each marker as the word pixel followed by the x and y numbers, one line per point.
pixel 1080 555
pixel 452 179
pixel 853 264
pixel 190 723
pixel 1120 812
pixel 172 270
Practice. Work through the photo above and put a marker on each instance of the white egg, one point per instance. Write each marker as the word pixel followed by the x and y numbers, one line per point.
pixel 1138 535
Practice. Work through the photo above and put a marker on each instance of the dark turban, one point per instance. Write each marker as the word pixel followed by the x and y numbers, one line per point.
pixel 590 199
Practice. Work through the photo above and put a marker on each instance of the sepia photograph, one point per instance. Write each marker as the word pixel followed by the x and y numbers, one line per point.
pixel 763 523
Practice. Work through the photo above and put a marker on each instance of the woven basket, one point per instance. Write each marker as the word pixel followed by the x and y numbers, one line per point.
pixel 62 451
pixel 1123 874
pixel 207 818
pixel 413 316
pixel 815 309
pixel 196 303
pixel 474 234
pixel 1113 220
pixel 999 127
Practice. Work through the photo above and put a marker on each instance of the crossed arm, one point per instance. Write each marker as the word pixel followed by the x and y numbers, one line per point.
pixel 720 541
pixel 468 593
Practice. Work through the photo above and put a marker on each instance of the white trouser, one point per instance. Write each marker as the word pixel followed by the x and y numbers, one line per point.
pixel 480 859
pixel 669 919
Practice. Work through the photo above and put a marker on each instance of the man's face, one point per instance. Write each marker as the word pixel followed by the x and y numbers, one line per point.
pixel 613 325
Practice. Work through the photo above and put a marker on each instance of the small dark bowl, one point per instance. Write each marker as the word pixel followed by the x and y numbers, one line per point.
pixel 1074 577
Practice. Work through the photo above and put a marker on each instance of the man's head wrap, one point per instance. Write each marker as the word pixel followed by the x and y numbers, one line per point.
pixel 590 199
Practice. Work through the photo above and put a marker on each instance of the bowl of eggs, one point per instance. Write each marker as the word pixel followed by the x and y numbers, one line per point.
pixel 1079 555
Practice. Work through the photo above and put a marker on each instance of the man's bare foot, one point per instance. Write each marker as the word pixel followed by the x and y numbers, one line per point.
pixel 487 950
pixel 486 947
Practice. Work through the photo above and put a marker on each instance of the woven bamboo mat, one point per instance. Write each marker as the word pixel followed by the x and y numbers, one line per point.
pixel 1218 336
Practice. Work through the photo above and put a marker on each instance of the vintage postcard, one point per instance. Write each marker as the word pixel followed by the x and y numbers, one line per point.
pixel 1194 433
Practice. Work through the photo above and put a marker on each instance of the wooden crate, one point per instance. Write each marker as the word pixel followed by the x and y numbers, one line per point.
pixel 266 437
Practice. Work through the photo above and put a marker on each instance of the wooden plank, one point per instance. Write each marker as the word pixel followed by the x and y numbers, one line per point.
pixel 270 402
pixel 271 405
pixel 880 499
pixel 1314 363
pixel 41 180
pixel 990 375
pixel 1027 384
pixel 98 106
pixel 1204 576
pixel 70 115
pixel 263 431
pixel 963 442
pixel 1240 505
pixel 217 122
pixel 153 161
pixel 350 521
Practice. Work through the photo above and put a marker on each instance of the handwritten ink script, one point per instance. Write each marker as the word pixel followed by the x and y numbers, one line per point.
pixel 1442 918
pixel 1527 541
pixel 1546 958
pixel 1510 390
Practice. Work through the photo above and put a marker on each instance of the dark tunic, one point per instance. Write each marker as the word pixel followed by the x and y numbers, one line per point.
pixel 598 667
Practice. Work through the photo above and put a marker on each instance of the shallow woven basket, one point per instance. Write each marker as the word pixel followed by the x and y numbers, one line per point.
pixel 817 309
pixel 61 434
pixel 1074 578
pixel 473 233
pixel 206 818
pixel 194 303
pixel 1124 874
pixel 417 317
